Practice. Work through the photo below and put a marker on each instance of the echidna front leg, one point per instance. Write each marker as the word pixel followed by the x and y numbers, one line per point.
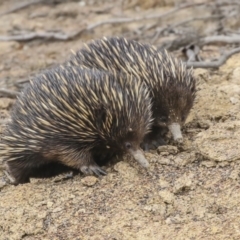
pixel 154 139
pixel 82 161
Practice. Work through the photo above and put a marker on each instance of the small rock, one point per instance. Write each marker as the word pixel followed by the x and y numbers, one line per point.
pixel 156 218
pixel 6 103
pixel 80 211
pixel 57 209
pixel 151 157
pixel 234 174
pixel 108 178
pixel 4 46
pixel 159 209
pixel 125 170
pixel 164 153
pixel 49 204
pixel 89 181
pixel 4 115
pixel 183 183
pixel 231 89
pixel 82 3
pixel 164 160
pixel 41 215
pixel 233 100
pixel 223 164
pixel 184 158
pixel 215 229
pixel 202 74
pixel 163 183
pixel 167 148
pixel 204 124
pixel 209 164
pixel 167 196
pixel 235 76
pixel 174 220
pixel 186 145
pixel 168 221
pixel 211 144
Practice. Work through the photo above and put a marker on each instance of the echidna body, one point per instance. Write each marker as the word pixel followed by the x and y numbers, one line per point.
pixel 78 118
pixel 172 85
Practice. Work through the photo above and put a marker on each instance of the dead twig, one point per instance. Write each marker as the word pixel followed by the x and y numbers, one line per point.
pixel 161 30
pixel 8 93
pixel 41 35
pixel 64 36
pixel 180 42
pixel 220 39
pixel 214 64
pixel 194 20
pixel 150 17
pixel 21 6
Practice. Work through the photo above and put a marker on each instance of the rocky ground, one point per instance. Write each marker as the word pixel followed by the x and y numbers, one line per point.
pixel 189 192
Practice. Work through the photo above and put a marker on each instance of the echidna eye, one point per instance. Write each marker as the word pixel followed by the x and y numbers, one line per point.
pixel 183 118
pixel 163 119
pixel 128 145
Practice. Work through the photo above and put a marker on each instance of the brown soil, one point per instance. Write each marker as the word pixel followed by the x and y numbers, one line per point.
pixel 189 192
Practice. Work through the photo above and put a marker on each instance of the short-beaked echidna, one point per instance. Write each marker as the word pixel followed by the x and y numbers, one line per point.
pixel 76 117
pixel 172 85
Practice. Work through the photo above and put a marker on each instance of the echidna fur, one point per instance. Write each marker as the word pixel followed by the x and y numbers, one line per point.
pixel 76 118
pixel 172 85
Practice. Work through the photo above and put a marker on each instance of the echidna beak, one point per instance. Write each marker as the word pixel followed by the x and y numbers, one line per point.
pixel 175 129
pixel 139 157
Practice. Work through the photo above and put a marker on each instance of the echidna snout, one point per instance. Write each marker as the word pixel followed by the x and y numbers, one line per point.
pixel 139 157
pixel 175 129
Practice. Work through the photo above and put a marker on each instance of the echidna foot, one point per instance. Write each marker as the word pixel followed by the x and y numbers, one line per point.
pixel 152 144
pixel 93 169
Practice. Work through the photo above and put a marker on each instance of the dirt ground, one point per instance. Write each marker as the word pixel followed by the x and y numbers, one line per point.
pixel 189 192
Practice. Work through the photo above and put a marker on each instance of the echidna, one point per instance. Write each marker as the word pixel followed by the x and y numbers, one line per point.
pixel 75 117
pixel 172 85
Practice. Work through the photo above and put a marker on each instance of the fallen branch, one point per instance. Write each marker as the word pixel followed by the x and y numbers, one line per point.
pixel 174 26
pixel 220 39
pixel 8 93
pixel 64 36
pixel 214 64
pixel 21 6
pixel 180 42
pixel 137 19
pixel 41 35
pixel 194 20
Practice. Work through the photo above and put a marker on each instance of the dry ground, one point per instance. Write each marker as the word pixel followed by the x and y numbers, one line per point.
pixel 192 192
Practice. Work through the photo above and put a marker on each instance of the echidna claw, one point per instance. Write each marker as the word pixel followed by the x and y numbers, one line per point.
pixel 93 169
pixel 9 177
pixel 99 172
pixel 153 144
pixel 145 147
